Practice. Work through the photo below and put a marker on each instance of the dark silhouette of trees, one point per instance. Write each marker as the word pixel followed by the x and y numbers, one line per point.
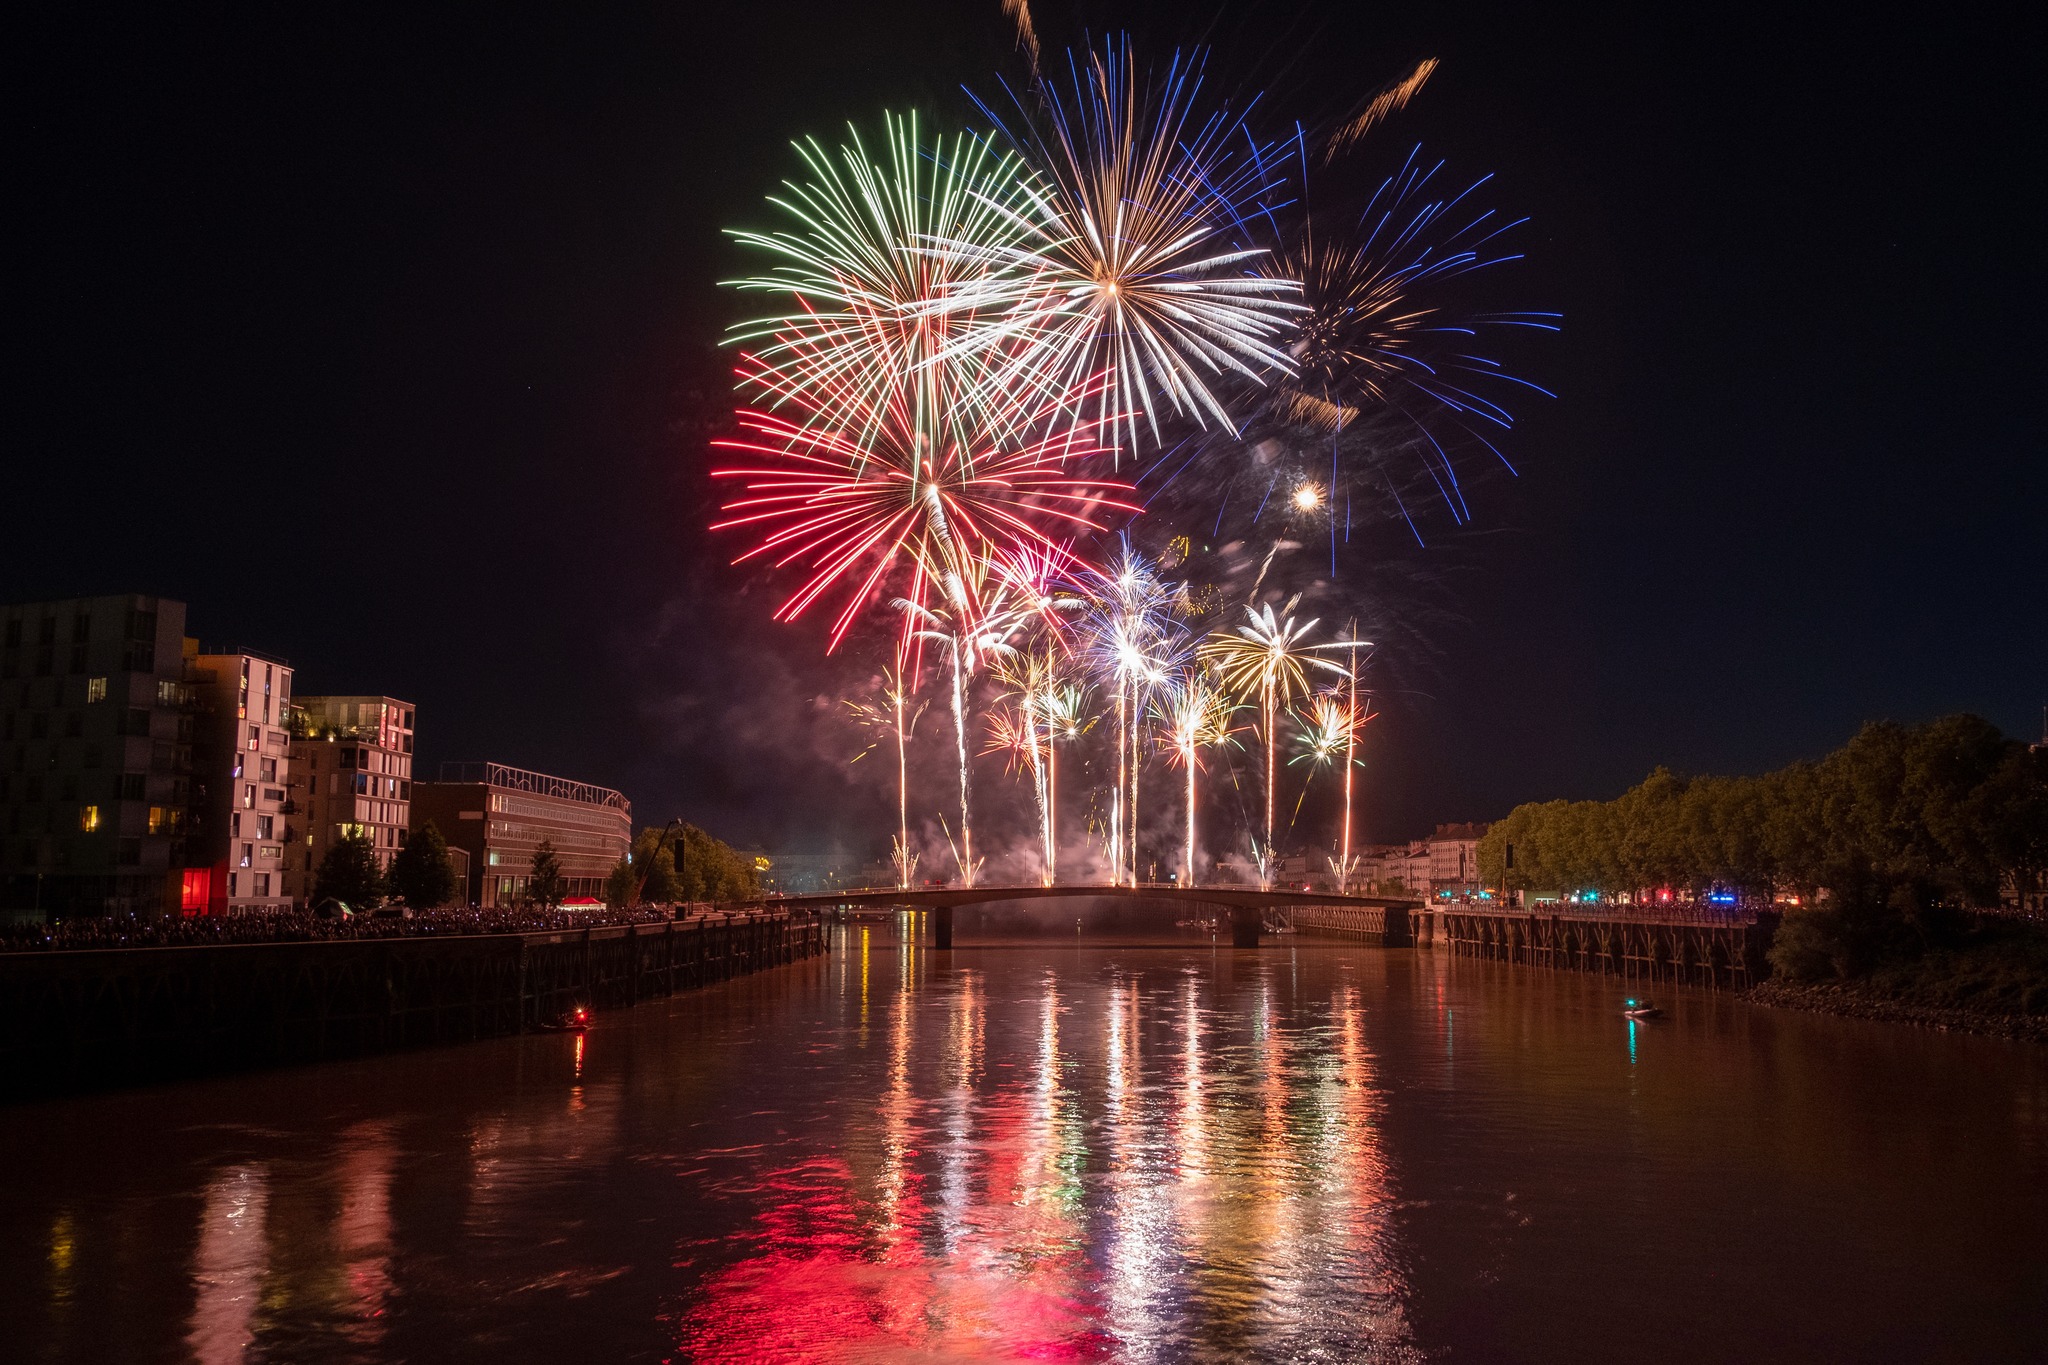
pixel 544 883
pixel 421 873
pixel 349 873
pixel 1884 840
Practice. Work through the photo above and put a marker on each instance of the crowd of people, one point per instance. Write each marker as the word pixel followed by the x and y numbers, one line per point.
pixel 303 926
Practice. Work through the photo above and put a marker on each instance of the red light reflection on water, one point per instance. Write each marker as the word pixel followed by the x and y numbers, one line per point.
pixel 1069 1189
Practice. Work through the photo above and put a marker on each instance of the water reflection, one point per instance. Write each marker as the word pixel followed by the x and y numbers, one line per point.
pixel 1077 1192
pixel 1169 1153
pixel 227 1266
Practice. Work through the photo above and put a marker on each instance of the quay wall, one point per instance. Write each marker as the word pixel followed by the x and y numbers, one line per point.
pixel 85 1020
pixel 1699 951
pixel 1715 952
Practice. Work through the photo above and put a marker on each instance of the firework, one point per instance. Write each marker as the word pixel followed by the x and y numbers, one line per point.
pixel 896 716
pixel 887 491
pixel 1196 715
pixel 1132 261
pixel 1270 657
pixel 1132 642
pixel 860 264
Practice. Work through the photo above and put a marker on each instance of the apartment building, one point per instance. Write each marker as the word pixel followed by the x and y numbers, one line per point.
pixel 498 815
pixel 241 809
pixel 351 774
pixel 96 763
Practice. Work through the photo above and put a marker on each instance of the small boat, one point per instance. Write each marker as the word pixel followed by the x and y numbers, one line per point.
pixel 575 1021
pixel 1641 1009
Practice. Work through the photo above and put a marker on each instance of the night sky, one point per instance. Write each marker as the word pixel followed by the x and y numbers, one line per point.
pixel 387 343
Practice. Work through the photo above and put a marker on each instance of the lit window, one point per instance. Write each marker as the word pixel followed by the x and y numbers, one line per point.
pixel 248 798
pixel 88 818
pixel 248 854
pixel 255 735
pixel 159 819
pixel 95 690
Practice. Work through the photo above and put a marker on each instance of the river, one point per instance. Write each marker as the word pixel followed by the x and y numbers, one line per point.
pixel 1063 1150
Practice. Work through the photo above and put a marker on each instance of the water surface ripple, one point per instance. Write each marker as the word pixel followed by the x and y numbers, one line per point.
pixel 1056 1151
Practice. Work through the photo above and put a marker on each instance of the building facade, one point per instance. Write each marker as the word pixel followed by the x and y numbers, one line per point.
pixel 1443 866
pixel 96 756
pixel 499 815
pixel 351 774
pixel 242 818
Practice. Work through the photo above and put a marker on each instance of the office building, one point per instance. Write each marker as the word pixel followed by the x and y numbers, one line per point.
pixel 499 815
pixel 351 774
pixel 96 734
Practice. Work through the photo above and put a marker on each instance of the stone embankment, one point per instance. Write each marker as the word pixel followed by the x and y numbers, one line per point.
pixel 80 1020
pixel 1858 1003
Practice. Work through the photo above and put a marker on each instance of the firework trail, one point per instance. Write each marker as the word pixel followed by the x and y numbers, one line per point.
pixel 899 719
pixel 1067 718
pixel 1196 714
pixel 1270 657
pixel 1131 641
pixel 983 609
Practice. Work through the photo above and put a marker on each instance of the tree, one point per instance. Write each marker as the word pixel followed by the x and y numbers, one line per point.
pixel 620 886
pixel 421 872
pixel 659 871
pixel 349 873
pixel 544 883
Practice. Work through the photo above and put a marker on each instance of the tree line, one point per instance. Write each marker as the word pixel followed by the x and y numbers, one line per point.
pixel 708 870
pixel 1902 823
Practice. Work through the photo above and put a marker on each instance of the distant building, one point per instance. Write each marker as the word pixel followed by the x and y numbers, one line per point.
pixel 1444 864
pixel 499 815
pixel 241 755
pixel 351 774
pixel 95 756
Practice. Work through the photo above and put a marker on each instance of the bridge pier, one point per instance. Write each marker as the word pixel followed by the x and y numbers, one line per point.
pixel 942 926
pixel 1245 924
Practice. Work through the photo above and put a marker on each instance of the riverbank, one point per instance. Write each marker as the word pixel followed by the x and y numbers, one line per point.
pixel 1867 1000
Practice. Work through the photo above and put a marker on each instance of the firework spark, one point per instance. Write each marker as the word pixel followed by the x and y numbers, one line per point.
pixel 1133 263
pixel 1269 657
pixel 876 493
pixel 1196 715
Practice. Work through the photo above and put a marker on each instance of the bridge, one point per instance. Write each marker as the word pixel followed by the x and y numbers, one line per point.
pixel 1246 904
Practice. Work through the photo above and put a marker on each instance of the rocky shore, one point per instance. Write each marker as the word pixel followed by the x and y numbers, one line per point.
pixel 1862 1003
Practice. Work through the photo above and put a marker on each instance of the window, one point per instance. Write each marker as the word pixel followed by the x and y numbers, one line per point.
pixel 141 624
pixel 255 735
pixel 159 820
pixel 169 693
pixel 232 879
pixel 139 658
pixel 130 787
pixel 81 627
pixel 92 756
pixel 14 632
pixel 95 690
pixel 46 631
pixel 131 853
pixel 135 721
pixel 262 883
pixel 89 818
pixel 263 827
pixel 78 659
pixel 248 798
pixel 269 853
pixel 74 724
pixel 248 854
pixel 267 770
pixel 348 758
